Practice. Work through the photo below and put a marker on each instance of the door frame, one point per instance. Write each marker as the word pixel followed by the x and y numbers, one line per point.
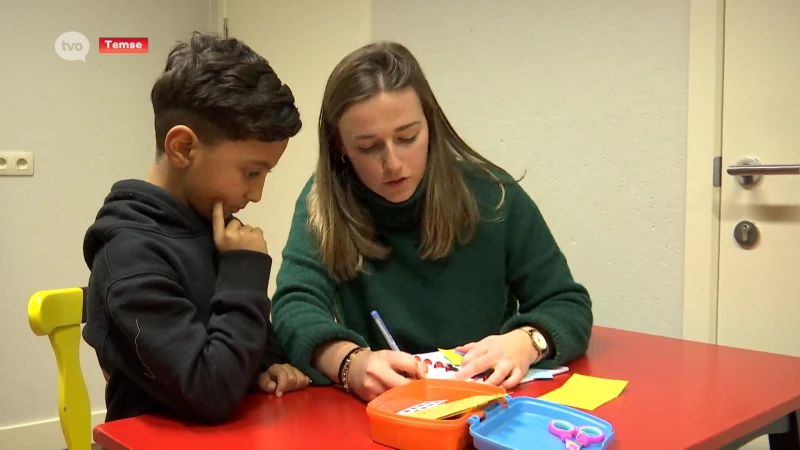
pixel 218 13
pixel 704 147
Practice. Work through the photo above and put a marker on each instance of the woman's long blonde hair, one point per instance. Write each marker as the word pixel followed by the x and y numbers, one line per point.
pixel 343 228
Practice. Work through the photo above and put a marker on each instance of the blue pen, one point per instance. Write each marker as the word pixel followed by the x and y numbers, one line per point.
pixel 385 331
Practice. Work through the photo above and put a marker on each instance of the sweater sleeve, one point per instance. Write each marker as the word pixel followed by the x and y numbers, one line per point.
pixel 201 372
pixel 273 352
pixel 303 303
pixel 540 278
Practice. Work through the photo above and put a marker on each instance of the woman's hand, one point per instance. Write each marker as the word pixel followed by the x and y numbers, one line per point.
pixel 373 373
pixel 508 356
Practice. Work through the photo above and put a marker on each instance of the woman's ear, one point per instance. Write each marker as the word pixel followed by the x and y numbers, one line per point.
pixel 337 150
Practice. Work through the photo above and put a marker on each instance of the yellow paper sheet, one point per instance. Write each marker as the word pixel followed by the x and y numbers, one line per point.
pixel 585 392
pixel 451 356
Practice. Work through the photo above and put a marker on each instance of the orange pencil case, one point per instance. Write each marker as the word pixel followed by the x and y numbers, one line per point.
pixel 403 432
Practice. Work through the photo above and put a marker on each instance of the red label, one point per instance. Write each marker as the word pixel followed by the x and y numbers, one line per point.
pixel 123 45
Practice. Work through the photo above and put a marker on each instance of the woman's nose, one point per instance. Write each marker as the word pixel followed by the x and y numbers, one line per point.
pixel 392 162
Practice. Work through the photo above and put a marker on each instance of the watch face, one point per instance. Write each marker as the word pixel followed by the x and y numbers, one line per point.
pixel 540 341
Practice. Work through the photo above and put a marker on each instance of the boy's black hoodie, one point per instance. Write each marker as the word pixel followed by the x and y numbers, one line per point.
pixel 179 327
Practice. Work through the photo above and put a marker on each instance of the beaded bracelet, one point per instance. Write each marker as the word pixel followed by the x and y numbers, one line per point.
pixel 344 367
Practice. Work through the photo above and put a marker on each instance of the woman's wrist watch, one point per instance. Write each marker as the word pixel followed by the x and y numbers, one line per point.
pixel 539 342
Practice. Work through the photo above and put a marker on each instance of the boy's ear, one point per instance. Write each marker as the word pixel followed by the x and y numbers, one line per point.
pixel 179 145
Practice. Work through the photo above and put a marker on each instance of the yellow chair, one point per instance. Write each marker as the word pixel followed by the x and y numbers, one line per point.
pixel 58 314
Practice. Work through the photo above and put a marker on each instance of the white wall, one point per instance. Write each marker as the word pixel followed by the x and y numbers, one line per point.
pixel 590 98
pixel 88 125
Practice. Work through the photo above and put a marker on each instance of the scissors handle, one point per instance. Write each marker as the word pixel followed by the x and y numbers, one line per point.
pixel 563 429
pixel 588 435
pixel 573 437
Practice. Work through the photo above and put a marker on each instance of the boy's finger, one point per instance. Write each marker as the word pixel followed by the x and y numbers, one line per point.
pixel 263 381
pixel 300 380
pixel 234 224
pixel 281 381
pixel 266 383
pixel 218 222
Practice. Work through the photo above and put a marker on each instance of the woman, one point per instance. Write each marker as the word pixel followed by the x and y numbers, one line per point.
pixel 402 217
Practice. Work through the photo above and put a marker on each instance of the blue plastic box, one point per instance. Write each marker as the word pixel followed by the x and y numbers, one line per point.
pixel 523 424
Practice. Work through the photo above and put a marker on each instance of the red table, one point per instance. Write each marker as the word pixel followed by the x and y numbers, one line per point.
pixel 681 395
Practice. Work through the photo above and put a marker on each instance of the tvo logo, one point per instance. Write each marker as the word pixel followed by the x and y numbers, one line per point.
pixel 72 46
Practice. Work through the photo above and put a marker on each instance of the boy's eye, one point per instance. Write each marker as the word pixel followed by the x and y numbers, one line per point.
pixel 251 174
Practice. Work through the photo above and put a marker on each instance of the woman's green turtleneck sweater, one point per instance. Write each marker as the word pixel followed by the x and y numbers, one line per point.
pixel 510 275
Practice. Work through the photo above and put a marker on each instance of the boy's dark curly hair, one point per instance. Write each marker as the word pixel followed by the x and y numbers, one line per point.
pixel 222 90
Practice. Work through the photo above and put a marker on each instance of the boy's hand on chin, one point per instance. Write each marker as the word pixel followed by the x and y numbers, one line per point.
pixel 235 235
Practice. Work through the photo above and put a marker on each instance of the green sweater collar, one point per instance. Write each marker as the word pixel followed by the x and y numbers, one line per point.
pixel 405 214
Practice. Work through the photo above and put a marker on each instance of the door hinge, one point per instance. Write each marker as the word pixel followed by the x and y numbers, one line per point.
pixel 717 175
pixel 225 27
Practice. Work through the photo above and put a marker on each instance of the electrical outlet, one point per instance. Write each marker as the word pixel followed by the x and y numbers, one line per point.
pixel 14 163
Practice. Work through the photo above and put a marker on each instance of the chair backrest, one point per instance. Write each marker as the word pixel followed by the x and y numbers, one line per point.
pixel 58 314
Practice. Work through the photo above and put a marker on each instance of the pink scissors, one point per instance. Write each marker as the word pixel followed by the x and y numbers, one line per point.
pixel 576 438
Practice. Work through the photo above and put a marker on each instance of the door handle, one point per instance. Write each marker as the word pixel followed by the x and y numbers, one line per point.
pixel 750 170
pixel 766 169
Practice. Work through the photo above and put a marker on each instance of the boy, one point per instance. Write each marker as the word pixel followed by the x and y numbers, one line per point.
pixel 177 306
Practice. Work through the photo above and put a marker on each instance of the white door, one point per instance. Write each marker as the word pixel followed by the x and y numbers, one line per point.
pixel 759 280
pixel 759 287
